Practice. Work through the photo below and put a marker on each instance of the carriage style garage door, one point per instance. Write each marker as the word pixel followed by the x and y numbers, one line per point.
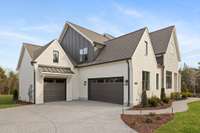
pixel 54 89
pixel 106 89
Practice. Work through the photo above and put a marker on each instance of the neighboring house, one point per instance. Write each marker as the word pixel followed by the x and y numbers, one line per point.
pixel 85 65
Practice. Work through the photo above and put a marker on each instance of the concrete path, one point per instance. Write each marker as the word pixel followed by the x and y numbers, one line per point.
pixel 64 117
pixel 177 106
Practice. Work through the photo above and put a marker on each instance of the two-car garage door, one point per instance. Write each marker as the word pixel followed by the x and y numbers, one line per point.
pixel 106 89
pixel 54 89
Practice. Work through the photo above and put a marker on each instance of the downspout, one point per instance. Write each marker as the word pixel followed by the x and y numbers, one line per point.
pixel 128 70
pixel 34 85
pixel 163 72
pixel 34 80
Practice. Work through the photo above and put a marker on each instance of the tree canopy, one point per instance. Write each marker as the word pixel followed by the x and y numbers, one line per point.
pixel 8 81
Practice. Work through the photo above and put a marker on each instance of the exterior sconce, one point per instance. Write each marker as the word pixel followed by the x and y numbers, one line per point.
pixel 85 83
pixel 126 82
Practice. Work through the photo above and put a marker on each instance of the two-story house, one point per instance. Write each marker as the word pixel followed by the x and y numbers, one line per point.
pixel 84 65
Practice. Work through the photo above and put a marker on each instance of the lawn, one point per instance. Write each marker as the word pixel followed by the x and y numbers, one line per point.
pixel 6 101
pixel 185 122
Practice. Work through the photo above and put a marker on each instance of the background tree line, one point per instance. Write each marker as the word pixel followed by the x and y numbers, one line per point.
pixel 8 81
pixel 190 79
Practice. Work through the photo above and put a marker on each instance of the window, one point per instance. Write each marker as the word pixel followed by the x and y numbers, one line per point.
pixel 145 80
pixel 157 81
pixel 168 79
pixel 175 81
pixel 55 56
pixel 146 48
pixel 83 54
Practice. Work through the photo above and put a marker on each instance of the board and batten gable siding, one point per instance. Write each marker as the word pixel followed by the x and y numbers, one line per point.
pixel 26 78
pixel 46 58
pixel 72 43
pixel 142 62
pixel 171 63
pixel 112 69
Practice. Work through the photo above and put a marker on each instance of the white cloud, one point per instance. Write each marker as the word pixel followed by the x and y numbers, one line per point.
pixel 50 28
pixel 15 35
pixel 101 26
pixel 128 11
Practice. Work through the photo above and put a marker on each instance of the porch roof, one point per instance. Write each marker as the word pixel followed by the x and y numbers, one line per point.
pixel 55 69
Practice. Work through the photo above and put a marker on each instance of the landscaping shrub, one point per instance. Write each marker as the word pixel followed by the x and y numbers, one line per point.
pixel 175 96
pixel 162 94
pixel 144 99
pixel 166 100
pixel 184 95
pixel 189 94
pixel 148 120
pixel 152 114
pixel 154 101
pixel 15 95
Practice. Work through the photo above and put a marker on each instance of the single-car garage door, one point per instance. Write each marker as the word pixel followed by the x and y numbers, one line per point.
pixel 54 89
pixel 106 89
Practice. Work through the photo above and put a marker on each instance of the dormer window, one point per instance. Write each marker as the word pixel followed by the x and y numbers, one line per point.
pixel 55 56
pixel 83 54
pixel 146 48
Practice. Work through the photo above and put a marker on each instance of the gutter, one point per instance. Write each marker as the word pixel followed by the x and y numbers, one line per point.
pixel 128 70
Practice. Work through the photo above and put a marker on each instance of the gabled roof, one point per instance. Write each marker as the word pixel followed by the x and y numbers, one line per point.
pixel 30 49
pixel 33 50
pixel 119 48
pixel 160 39
pixel 88 34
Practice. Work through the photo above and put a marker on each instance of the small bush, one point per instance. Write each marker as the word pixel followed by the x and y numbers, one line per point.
pixel 162 94
pixel 184 95
pixel 152 114
pixel 175 96
pixel 144 99
pixel 158 118
pixel 15 95
pixel 154 101
pixel 148 120
pixel 166 100
pixel 189 94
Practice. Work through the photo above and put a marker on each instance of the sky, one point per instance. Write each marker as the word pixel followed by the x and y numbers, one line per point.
pixel 40 21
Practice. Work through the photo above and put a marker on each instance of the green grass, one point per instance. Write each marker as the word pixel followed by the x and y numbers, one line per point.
pixel 6 101
pixel 185 122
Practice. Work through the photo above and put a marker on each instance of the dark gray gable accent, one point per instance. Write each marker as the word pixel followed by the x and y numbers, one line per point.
pixel 72 42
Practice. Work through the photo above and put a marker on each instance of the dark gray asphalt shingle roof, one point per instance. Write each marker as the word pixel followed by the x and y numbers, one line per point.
pixel 93 36
pixel 160 39
pixel 119 48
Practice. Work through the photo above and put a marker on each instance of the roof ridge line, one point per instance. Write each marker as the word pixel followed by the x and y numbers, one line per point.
pixel 85 28
pixel 26 43
pixel 127 34
pixel 163 28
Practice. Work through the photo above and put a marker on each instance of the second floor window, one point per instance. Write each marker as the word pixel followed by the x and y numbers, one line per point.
pixel 83 54
pixel 146 48
pixel 55 56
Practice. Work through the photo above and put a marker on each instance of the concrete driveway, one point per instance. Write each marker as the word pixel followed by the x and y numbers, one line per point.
pixel 64 117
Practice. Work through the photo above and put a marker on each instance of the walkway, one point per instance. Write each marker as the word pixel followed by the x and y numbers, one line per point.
pixel 177 106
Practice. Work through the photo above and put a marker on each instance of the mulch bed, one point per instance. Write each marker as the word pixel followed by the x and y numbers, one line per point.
pixel 163 106
pixel 146 123
pixel 22 102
